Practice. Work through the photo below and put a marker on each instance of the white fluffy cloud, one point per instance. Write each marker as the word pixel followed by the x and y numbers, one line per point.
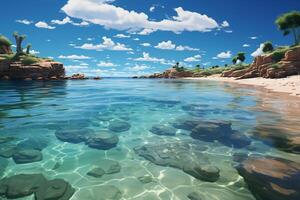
pixel 107 44
pixel 225 24
pixel 152 8
pixel 146 44
pixel 165 45
pixel 259 51
pixel 146 31
pixel 74 57
pixel 224 55
pixel 42 24
pixel 246 45
pixel 169 45
pixel 106 64
pixel 122 36
pixel 34 52
pixel 67 20
pixel 24 21
pixel 101 12
pixel 147 58
pixel 253 37
pixel 195 58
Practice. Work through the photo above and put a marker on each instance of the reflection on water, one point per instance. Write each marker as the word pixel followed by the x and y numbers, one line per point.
pixel 125 139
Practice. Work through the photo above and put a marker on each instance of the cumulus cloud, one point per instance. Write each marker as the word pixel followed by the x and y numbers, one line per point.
pixel 24 21
pixel 74 67
pixel 152 8
pixel 246 45
pixel 228 31
pixel 224 55
pixel 42 24
pixel 103 13
pixel 107 44
pixel 34 52
pixel 147 58
pixel 258 51
pixel 67 20
pixel 146 44
pixel 122 36
pixel 106 64
pixel 225 24
pixel 253 37
pixel 169 45
pixel 74 57
pixel 146 31
pixel 195 58
pixel 165 45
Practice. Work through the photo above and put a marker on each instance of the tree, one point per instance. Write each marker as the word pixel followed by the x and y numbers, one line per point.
pixel 234 60
pixel 19 40
pixel 241 56
pixel 268 47
pixel 197 67
pixel 28 48
pixel 290 23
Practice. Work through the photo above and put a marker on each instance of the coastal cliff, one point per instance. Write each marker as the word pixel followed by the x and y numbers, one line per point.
pixel 278 64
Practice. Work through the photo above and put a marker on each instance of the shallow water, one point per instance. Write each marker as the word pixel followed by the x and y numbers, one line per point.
pixel 37 109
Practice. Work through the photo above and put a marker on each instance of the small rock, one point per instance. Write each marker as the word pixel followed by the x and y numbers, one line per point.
pixel 7 151
pixel 72 136
pixel 206 172
pixel 145 179
pixel 194 196
pixel 119 126
pixel 96 172
pixel 163 130
pixel 115 167
pixel 27 156
pixel 5 139
pixel 103 141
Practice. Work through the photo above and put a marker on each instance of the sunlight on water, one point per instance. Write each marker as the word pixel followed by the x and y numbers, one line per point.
pixel 38 114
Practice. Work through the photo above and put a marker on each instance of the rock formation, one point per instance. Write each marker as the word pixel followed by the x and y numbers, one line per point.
pixel 266 66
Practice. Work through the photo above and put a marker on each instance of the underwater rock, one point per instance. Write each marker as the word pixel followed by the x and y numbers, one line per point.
pixel 270 178
pixel 33 143
pixel 96 172
pixel 145 179
pixel 194 196
pixel 7 151
pixel 114 167
pixel 187 124
pixel 181 155
pixel 103 140
pixel 119 126
pixel 3 165
pixel 23 185
pixel 206 172
pixel 163 130
pixel 27 156
pixel 5 139
pixel 73 136
pixel 221 131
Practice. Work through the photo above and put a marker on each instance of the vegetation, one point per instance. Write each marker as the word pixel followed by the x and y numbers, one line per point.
pixel 289 23
pixel 275 66
pixel 268 47
pixel 4 41
pixel 279 53
pixel 239 57
pixel 29 60
pixel 179 68
pixel 19 39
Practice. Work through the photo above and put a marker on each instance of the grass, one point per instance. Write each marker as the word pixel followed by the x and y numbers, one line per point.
pixel 29 59
pixel 275 66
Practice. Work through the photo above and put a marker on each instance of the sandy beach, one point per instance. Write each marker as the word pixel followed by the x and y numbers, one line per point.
pixel 289 85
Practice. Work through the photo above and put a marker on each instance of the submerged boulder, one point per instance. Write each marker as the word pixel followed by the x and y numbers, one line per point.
pixel 73 136
pixel 27 156
pixel 119 126
pixel 103 140
pixel 23 185
pixel 163 130
pixel 270 178
pixel 181 155
pixel 96 172
pixel 219 131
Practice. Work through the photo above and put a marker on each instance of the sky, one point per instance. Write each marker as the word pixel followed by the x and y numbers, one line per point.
pixel 119 38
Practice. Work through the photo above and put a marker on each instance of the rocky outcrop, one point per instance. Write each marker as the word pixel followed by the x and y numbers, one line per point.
pixel 37 71
pixel 5 49
pixel 271 178
pixel 169 73
pixel 265 66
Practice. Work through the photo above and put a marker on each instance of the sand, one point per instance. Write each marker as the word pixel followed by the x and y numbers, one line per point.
pixel 289 85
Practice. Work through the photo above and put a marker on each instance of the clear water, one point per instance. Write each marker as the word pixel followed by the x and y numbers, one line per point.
pixel 32 109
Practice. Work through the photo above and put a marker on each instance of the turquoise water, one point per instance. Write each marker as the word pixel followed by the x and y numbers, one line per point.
pixel 34 111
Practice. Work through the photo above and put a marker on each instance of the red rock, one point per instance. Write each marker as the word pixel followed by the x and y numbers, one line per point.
pixel 292 55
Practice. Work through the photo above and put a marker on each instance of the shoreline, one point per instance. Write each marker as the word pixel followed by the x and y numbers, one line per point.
pixel 289 85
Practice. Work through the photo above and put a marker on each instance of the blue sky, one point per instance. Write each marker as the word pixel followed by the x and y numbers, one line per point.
pixel 134 37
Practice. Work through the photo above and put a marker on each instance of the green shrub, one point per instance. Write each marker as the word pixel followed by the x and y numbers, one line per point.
pixel 5 41
pixel 268 47
pixel 278 54
pixel 275 66
pixel 29 60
